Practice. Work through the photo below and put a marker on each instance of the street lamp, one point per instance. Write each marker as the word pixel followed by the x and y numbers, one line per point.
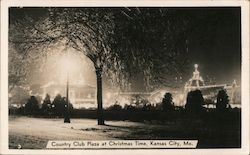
pixel 67 114
pixel 69 65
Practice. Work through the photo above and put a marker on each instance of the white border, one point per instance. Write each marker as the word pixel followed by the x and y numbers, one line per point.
pixel 244 4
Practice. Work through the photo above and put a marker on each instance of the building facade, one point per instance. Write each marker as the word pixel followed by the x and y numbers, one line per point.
pixel 80 95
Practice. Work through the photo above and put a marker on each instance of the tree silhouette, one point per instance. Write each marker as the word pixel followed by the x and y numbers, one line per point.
pixel 167 102
pixel 47 106
pixel 194 101
pixel 222 100
pixel 32 106
pixel 57 105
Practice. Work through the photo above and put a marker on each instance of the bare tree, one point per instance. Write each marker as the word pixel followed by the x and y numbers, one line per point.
pixel 87 30
pixel 17 73
pixel 155 40
pixel 118 41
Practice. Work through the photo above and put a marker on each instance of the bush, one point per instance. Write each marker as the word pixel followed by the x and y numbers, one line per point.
pixel 148 107
pixel 222 100
pixel 32 106
pixel 47 106
pixel 129 107
pixel 59 105
pixel 115 107
pixel 167 102
pixel 195 101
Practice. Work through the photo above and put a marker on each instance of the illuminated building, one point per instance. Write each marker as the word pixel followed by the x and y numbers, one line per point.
pixel 80 95
pixel 210 91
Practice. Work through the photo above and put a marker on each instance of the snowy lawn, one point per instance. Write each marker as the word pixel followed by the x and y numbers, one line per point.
pixel 33 133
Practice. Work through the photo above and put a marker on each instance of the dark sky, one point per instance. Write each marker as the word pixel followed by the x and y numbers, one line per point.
pixel 214 40
pixel 215 43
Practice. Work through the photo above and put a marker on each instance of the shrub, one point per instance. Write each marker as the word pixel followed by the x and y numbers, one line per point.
pixel 129 107
pixel 47 106
pixel 115 107
pixel 59 105
pixel 222 100
pixel 32 106
pixel 194 101
pixel 167 102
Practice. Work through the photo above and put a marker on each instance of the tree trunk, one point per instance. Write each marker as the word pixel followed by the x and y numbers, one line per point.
pixel 100 118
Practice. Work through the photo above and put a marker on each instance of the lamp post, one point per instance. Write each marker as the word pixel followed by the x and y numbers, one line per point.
pixel 67 114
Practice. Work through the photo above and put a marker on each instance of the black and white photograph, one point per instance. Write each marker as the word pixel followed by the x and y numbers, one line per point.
pixel 124 77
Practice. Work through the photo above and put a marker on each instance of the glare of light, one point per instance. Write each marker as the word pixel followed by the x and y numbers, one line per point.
pixel 69 66
pixel 108 95
pixel 196 65
pixel 56 92
pixel 181 96
pixel 76 66
pixel 67 63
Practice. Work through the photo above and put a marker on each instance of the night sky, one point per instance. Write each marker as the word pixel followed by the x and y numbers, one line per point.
pixel 215 43
pixel 214 40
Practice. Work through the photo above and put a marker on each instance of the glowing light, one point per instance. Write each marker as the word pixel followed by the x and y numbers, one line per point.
pixel 69 66
pixel 59 64
pixel 56 92
pixel 195 66
pixel 181 96
pixel 108 95
pixel 67 63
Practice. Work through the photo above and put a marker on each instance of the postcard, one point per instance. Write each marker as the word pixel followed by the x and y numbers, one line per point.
pixel 89 77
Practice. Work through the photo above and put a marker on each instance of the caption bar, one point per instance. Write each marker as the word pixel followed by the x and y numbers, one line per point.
pixel 109 144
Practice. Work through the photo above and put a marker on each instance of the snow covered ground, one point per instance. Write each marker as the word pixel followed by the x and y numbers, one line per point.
pixel 34 133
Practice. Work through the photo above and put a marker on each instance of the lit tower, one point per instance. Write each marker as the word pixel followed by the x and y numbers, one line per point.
pixel 195 81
